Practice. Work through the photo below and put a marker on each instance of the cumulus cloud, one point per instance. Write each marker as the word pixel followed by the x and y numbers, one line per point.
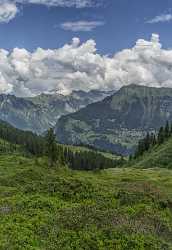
pixel 78 66
pixel 81 25
pixel 161 19
pixel 7 11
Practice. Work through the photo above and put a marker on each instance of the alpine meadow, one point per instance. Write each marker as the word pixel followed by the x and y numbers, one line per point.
pixel 85 125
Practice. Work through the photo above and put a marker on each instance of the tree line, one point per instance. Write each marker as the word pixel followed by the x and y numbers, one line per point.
pixel 153 139
pixel 56 153
pixel 89 160
pixel 77 160
pixel 30 142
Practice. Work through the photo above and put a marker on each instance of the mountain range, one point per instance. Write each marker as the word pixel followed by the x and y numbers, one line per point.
pixel 112 121
pixel 39 113
pixel 119 121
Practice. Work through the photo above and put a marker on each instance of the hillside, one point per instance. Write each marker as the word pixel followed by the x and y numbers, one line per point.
pixel 119 121
pixel 39 113
pixel 76 157
pixel 158 156
pixel 50 208
pixel 43 208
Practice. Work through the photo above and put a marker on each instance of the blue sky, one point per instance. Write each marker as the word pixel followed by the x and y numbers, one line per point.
pixel 65 45
pixel 119 24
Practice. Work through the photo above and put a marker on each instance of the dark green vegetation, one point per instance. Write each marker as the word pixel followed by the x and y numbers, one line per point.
pixel 152 140
pixel 46 208
pixel 157 156
pixel 75 157
pixel 154 150
pixel 119 121
pixel 39 113
pixel 28 141
pixel 90 159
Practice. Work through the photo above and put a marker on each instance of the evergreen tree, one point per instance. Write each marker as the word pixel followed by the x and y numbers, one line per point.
pixel 161 135
pixel 147 142
pixel 167 130
pixel 51 145
pixel 171 129
pixel 153 140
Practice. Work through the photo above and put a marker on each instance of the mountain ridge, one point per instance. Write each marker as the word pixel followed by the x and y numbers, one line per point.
pixel 117 122
pixel 39 113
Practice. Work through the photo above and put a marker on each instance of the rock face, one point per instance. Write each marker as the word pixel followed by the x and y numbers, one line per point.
pixel 119 121
pixel 41 112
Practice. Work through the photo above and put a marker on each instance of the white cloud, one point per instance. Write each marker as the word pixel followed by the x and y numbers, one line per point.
pixel 63 3
pixel 9 8
pixel 161 19
pixel 78 66
pixel 81 25
pixel 7 11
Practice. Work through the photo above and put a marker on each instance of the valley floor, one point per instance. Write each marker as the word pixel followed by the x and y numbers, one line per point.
pixel 51 209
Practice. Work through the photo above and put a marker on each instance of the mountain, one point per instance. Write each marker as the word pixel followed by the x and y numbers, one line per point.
pixel 41 112
pixel 119 121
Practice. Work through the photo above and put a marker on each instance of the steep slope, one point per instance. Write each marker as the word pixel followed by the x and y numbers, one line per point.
pixel 158 156
pixel 23 113
pixel 43 208
pixel 119 121
pixel 41 112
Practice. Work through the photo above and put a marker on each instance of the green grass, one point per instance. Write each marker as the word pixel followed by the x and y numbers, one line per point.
pixel 6 147
pixel 51 209
pixel 159 156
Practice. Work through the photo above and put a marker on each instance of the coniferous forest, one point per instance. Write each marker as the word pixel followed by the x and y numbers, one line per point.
pixel 47 146
pixel 153 139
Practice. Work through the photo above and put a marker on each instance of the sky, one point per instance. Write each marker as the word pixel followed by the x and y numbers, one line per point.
pixel 84 44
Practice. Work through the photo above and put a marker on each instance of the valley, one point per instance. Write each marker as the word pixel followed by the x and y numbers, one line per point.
pixel 118 122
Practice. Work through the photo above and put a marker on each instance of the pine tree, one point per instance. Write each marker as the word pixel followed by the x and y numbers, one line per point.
pixel 147 142
pixel 52 150
pixel 153 140
pixel 167 130
pixel 161 135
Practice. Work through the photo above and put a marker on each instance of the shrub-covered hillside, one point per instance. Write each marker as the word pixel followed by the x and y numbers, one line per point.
pixel 158 156
pixel 44 208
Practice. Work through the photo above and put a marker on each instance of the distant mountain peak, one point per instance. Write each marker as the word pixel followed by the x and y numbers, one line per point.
pixel 40 112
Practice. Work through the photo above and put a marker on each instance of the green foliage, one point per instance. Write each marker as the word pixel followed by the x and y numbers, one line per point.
pixel 51 147
pixel 161 136
pixel 158 156
pixel 29 141
pixel 58 208
pixel 75 157
pixel 151 140
pixel 89 160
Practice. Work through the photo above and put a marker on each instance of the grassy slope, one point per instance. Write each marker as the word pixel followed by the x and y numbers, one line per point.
pixel 160 156
pixel 50 209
